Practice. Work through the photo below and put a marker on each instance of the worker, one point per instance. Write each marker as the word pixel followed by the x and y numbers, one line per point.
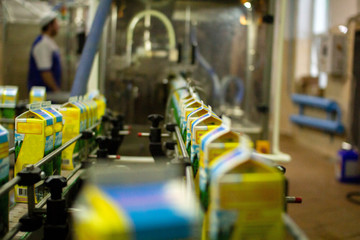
pixel 45 65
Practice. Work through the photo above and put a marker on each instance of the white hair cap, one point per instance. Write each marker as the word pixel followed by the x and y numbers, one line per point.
pixel 47 18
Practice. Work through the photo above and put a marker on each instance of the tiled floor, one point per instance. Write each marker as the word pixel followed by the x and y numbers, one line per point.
pixel 325 212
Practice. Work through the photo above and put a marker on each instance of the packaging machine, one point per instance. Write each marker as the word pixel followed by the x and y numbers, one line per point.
pixel 193 173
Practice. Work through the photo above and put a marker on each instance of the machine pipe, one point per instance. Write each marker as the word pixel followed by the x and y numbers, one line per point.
pixel 79 86
pixel 184 153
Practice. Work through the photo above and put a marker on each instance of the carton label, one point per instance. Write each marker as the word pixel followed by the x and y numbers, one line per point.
pixel 58 139
pixel 29 128
pixel 49 144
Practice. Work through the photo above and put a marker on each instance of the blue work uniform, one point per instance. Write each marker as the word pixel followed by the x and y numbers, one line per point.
pixel 44 56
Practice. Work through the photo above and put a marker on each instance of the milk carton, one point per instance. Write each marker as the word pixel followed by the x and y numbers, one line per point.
pixel 246 198
pixel 83 112
pixel 199 112
pixel 90 110
pixel 213 144
pixel 57 131
pixel 4 178
pixel 94 109
pixel 9 101
pixel 100 102
pixel 188 108
pixel 34 139
pixel 199 127
pixel 37 94
pixel 175 104
pixel 146 208
pixel 73 124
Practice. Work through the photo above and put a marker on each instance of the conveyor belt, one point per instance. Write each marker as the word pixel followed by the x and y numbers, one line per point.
pixel 19 209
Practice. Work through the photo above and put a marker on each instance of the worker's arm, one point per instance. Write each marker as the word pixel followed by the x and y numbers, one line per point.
pixel 50 81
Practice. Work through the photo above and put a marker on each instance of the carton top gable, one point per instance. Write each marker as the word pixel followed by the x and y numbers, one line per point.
pixel 69 105
pixel 239 162
pixel 11 90
pixel 229 136
pixel 80 106
pixel 253 166
pixel 36 114
pixel 207 119
pixel 48 118
pixel 58 116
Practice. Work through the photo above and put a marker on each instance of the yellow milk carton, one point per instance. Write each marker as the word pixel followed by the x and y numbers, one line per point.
pixel 194 115
pixel 10 96
pixel 72 126
pixel 182 103
pixel 152 207
pixel 189 108
pixel 100 102
pixel 58 127
pixel 91 144
pixel 190 102
pixel 87 110
pixel 246 198
pixel 213 144
pixel 94 106
pixel 175 102
pixel 83 112
pixel 37 94
pixel 91 107
pixel 34 139
pixel 199 112
pixel 183 98
pixel 199 127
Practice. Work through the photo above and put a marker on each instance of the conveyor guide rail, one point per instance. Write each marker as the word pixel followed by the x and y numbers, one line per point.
pixel 9 185
pixel 31 203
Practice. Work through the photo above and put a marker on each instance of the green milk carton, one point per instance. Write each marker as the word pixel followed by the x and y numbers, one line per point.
pixel 9 100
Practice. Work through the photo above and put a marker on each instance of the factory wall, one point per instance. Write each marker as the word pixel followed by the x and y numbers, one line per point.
pixel 338 88
pixel 17 41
